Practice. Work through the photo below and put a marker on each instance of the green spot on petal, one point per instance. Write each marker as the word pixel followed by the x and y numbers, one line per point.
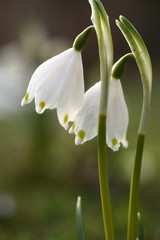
pixel 81 134
pixel 26 96
pixel 42 104
pixel 114 142
pixel 73 126
pixel 65 120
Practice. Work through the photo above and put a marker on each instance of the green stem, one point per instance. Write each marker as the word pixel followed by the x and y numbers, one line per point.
pixel 101 23
pixel 142 57
pixel 134 190
pixel 103 179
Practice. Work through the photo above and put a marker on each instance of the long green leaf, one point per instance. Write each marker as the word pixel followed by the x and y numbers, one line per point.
pixel 79 221
pixel 142 57
pixel 140 230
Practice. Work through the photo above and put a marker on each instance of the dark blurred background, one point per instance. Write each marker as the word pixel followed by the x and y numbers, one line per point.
pixel 41 170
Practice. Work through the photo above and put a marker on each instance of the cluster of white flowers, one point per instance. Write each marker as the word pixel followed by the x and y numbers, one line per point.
pixel 59 83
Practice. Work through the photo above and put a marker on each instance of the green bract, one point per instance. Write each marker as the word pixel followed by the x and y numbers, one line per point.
pixel 142 57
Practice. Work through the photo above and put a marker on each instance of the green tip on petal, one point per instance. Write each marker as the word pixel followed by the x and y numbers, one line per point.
pixel 26 96
pixel 42 105
pixel 73 126
pixel 81 134
pixel 71 130
pixel 65 120
pixel 80 137
pixel 114 142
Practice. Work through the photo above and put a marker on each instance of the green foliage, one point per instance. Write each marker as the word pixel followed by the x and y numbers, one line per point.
pixel 45 178
pixel 79 221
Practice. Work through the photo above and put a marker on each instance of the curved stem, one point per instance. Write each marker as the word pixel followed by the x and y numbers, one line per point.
pixel 103 179
pixel 134 190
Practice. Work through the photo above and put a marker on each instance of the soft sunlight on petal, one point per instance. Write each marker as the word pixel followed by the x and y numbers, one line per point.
pixel 86 121
pixel 85 124
pixel 117 121
pixel 45 73
pixel 58 83
pixel 72 90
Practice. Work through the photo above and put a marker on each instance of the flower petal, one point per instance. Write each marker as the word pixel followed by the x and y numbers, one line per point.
pixel 72 91
pixel 43 76
pixel 117 120
pixel 86 122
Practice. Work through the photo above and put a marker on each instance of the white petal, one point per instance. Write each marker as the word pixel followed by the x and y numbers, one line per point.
pixel 48 91
pixel 44 74
pixel 86 122
pixel 114 147
pixel 117 116
pixel 78 141
pixel 124 143
pixel 71 130
pixel 72 91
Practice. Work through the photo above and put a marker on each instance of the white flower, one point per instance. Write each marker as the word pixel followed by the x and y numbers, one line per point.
pixel 117 116
pixel 86 121
pixel 85 125
pixel 58 83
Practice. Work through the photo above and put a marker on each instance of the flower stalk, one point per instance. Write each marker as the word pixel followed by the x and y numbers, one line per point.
pixel 134 189
pixel 100 20
pixel 142 57
pixel 103 179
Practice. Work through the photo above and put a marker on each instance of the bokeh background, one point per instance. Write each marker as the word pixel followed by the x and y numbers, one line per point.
pixel 41 170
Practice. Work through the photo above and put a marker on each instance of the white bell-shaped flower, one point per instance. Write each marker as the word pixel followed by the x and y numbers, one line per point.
pixel 58 83
pixel 117 116
pixel 85 125
pixel 86 121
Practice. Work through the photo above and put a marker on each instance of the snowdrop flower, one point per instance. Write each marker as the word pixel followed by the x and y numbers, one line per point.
pixel 85 125
pixel 58 83
pixel 117 116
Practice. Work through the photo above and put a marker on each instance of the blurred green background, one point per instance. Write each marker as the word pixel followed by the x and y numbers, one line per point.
pixel 41 170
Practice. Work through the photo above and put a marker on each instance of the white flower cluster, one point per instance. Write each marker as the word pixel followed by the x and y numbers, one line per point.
pixel 59 83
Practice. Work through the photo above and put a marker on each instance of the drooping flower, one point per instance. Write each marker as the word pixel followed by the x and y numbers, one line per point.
pixel 85 125
pixel 58 83
pixel 117 116
pixel 86 122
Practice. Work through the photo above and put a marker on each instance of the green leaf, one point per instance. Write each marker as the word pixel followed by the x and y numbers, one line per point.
pixel 79 221
pixel 142 57
pixel 140 231
pixel 143 54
